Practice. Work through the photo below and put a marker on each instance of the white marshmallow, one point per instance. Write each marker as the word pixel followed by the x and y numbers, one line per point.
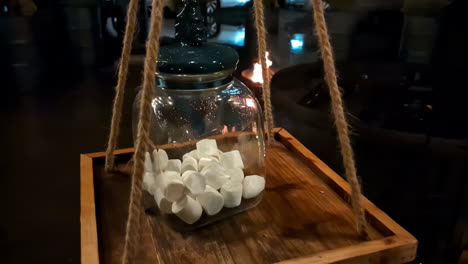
pixel 205 161
pixel 174 165
pixel 211 200
pixel 203 155
pixel 164 205
pixel 189 164
pixel 158 180
pixel 171 185
pixel 253 186
pixel 184 177
pixel 193 154
pixel 215 158
pixel 232 194
pixel 160 160
pixel 191 194
pixel 235 174
pixel 215 175
pixel 186 173
pixel 148 162
pixel 207 147
pixel 187 209
pixel 231 159
pixel 148 181
pixel 194 182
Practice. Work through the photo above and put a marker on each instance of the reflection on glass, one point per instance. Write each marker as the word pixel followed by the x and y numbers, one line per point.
pixel 250 102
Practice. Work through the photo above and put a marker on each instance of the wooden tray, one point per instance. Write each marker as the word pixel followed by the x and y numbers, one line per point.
pixel 304 217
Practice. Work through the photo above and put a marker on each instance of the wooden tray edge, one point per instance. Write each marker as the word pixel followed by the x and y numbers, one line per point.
pixel 88 227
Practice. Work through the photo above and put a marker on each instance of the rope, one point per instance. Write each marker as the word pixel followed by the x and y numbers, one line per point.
pixel 121 82
pixel 342 126
pixel 262 49
pixel 149 75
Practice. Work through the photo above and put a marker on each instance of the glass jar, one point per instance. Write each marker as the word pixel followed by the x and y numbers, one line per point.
pixel 228 113
pixel 208 129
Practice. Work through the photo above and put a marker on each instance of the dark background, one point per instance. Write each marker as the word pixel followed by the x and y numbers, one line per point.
pixel 403 67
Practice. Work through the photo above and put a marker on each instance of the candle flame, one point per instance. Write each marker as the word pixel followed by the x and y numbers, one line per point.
pixel 225 130
pixel 257 76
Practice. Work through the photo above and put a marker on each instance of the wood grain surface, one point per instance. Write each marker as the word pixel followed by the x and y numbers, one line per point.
pixel 304 217
pixel 89 240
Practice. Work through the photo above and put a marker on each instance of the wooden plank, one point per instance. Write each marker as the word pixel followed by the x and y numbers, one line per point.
pixel 89 241
pixel 116 152
pixel 304 218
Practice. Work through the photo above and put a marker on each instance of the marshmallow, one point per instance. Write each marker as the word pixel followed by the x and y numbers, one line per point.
pixel 235 174
pixel 191 194
pixel 193 154
pixel 174 165
pixel 253 186
pixel 189 164
pixel 211 200
pixel 215 158
pixel 202 155
pixel 148 181
pixel 231 159
pixel 215 175
pixel 164 205
pixel 205 161
pixel 232 194
pixel 186 173
pixel 171 185
pixel 194 182
pixel 148 162
pixel 160 160
pixel 187 209
pixel 207 147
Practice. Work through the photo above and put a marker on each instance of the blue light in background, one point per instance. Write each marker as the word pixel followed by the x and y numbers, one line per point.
pixel 297 43
pixel 231 35
pixel 240 37
pixel 233 3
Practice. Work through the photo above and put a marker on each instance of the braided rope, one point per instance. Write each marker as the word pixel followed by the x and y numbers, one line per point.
pixel 262 49
pixel 141 144
pixel 342 126
pixel 121 82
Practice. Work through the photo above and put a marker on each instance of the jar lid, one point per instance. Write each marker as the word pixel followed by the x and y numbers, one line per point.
pixel 191 59
pixel 184 58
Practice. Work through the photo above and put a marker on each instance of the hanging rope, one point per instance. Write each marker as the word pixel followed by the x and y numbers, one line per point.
pixel 262 49
pixel 342 126
pixel 141 144
pixel 121 82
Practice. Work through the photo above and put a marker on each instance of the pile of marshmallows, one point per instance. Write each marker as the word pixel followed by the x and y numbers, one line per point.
pixel 206 179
